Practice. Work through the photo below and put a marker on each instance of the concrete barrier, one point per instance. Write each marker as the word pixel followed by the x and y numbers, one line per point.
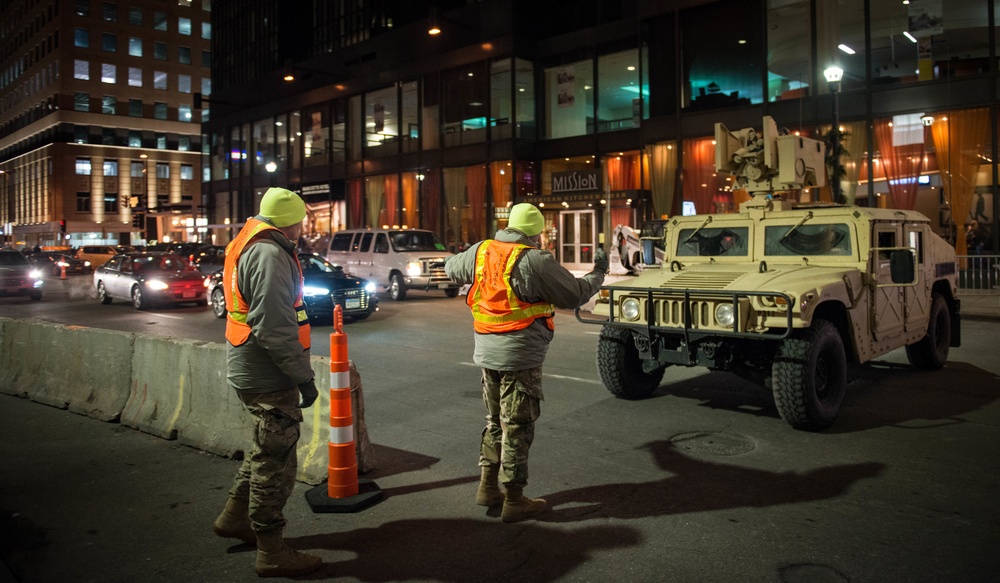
pixel 85 370
pixel 168 387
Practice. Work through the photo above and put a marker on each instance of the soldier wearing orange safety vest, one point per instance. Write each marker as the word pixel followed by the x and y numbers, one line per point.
pixel 515 289
pixel 268 364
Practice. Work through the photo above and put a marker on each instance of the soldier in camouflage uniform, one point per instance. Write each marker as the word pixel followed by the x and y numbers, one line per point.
pixel 268 340
pixel 515 288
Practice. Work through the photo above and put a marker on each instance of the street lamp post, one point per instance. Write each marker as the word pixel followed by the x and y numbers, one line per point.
pixel 271 167
pixel 834 75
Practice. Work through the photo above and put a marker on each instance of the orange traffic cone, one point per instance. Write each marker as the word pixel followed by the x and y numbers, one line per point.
pixel 62 274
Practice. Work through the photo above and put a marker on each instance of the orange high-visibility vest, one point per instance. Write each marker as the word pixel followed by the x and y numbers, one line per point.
pixel 237 329
pixel 495 307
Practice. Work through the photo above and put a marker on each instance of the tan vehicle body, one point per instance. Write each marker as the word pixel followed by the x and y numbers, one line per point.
pixel 779 297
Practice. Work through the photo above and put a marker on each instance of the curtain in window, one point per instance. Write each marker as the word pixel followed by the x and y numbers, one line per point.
pixel 699 174
pixel 355 203
pixel 501 177
pixel 375 193
pixel 475 182
pixel 902 165
pixel 430 201
pixel 391 216
pixel 855 142
pixel 622 172
pixel 410 199
pixel 663 176
pixel 454 196
pixel 959 137
pixel 621 216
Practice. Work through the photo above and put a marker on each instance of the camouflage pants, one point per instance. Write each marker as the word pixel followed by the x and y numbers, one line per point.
pixel 267 474
pixel 512 401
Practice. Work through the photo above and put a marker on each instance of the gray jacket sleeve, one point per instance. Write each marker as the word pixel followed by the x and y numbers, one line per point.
pixel 461 268
pixel 541 278
pixel 268 279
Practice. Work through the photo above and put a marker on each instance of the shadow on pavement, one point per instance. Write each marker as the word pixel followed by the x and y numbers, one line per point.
pixel 698 486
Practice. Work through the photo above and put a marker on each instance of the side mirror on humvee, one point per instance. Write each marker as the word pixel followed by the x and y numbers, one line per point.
pixel 902 267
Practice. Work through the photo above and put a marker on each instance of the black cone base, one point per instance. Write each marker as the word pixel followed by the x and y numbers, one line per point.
pixel 368 494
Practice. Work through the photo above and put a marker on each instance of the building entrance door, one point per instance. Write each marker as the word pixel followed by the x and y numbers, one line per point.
pixel 577 233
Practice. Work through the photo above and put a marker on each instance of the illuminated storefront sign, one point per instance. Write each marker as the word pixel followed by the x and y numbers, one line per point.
pixel 576 181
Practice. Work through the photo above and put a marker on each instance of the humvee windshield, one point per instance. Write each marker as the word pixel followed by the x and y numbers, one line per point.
pixel 829 240
pixel 715 242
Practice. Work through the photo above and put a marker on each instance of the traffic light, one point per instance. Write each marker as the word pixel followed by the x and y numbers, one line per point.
pixel 62 226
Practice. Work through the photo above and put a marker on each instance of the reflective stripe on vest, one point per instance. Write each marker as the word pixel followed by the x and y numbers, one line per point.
pixel 495 307
pixel 237 329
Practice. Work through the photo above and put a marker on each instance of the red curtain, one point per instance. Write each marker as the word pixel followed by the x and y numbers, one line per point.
pixel 902 165
pixel 698 175
pixel 430 201
pixel 391 200
pixel 621 216
pixel 475 186
pixel 623 172
pixel 409 209
pixel 355 203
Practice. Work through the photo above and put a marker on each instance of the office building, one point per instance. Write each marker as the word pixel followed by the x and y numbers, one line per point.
pixel 601 112
pixel 100 140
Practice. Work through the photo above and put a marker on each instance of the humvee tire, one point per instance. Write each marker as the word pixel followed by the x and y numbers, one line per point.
pixel 620 367
pixel 931 351
pixel 809 377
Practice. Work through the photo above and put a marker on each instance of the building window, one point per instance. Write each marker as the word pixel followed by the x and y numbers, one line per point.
pixel 83 166
pixel 160 51
pixel 184 26
pixel 135 141
pixel 187 172
pixel 619 91
pixel 110 202
pixel 206 86
pixel 81 135
pixel 381 122
pixel 81 102
pixel 162 170
pixel 184 83
pixel 464 99
pixel 109 104
pixel 723 78
pixel 81 38
pixel 135 77
pixel 135 16
pixel 161 144
pixel 159 80
pixel 83 7
pixel 81 69
pixel 206 30
pixel 524 98
pixel 109 11
pixel 109 42
pixel 108 73
pixel 184 55
pixel 184 113
pixel 83 202
pixel 108 136
pixel 135 46
pixel 184 143
pixel 160 110
pixel 111 167
pixel 159 20
pixel 569 98
pixel 135 108
pixel 206 58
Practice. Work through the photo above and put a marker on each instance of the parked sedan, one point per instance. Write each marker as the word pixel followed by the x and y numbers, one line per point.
pixel 149 278
pixel 326 285
pixel 53 262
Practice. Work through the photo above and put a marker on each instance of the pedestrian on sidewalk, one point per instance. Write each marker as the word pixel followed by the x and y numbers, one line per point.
pixel 515 288
pixel 267 334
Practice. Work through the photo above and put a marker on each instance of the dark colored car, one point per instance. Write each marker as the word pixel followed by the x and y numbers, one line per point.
pixel 149 278
pixel 18 277
pixel 210 258
pixel 326 285
pixel 52 262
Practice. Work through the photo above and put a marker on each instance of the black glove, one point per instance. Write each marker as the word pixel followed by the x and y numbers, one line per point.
pixel 600 260
pixel 309 393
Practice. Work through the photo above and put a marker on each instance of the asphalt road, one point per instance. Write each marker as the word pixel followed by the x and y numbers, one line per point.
pixel 700 483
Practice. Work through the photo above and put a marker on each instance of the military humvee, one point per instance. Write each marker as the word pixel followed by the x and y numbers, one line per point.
pixel 781 293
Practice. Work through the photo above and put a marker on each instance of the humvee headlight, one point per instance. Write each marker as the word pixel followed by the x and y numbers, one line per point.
pixel 630 309
pixel 724 315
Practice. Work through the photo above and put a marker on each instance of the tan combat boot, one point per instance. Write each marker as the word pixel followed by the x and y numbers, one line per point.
pixel 277 559
pixel 517 507
pixel 234 522
pixel 488 493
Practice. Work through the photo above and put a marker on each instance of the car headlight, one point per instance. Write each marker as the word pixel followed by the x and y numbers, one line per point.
pixel 86 264
pixel 413 269
pixel 370 287
pixel 312 290
pixel 724 315
pixel 157 285
pixel 630 309
pixel 35 274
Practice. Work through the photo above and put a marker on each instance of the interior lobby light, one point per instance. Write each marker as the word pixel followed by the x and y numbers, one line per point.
pixel 846 49
pixel 833 74
pixel 433 27
pixel 907 34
